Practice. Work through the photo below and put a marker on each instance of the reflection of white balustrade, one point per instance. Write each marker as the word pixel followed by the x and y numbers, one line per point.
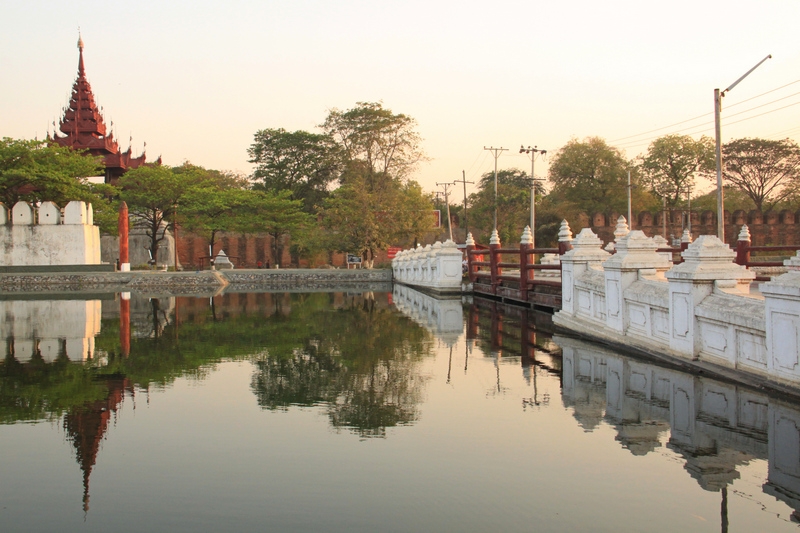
pixel 717 427
pixel 700 309
pixel 436 267
pixel 51 327
pixel 442 317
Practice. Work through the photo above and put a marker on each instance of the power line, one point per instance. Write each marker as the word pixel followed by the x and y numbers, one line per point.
pixel 762 114
pixel 762 94
pixel 704 115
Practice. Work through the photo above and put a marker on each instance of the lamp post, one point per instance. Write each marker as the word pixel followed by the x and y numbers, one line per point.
pixel 718 134
pixel 532 153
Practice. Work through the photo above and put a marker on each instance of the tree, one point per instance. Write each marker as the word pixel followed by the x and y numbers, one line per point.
pixel 513 203
pixel 152 194
pixel 208 211
pixel 301 162
pixel 275 213
pixel 592 175
pixel 673 161
pixel 34 171
pixel 767 171
pixel 379 142
pixel 365 220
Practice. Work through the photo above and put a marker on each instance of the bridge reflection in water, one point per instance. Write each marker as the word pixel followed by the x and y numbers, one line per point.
pixel 715 427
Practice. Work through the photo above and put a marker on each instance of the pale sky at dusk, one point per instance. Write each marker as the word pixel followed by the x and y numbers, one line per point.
pixel 196 79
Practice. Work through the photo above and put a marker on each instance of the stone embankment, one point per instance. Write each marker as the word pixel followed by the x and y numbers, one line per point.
pixel 203 282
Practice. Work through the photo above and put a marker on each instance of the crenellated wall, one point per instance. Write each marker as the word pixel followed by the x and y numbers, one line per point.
pixel 33 236
pixel 775 228
pixel 700 310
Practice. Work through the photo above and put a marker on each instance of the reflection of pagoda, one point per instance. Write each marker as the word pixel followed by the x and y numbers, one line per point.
pixel 84 129
pixel 87 427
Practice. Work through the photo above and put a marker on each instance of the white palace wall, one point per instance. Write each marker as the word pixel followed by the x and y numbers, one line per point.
pixel 699 310
pixel 41 236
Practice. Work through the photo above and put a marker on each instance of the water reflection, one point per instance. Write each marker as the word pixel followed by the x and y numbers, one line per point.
pixel 358 361
pixel 364 360
pixel 715 427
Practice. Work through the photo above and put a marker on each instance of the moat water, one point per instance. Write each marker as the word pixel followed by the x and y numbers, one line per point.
pixel 368 411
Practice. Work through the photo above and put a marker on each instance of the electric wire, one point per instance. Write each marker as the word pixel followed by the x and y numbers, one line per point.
pixel 636 142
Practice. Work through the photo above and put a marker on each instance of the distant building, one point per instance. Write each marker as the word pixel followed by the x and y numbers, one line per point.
pixel 84 129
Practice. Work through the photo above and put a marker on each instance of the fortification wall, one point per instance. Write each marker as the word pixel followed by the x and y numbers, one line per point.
pixel 36 236
pixel 777 228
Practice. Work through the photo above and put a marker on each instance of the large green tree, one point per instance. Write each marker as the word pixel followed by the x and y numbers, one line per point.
pixel 36 171
pixel 767 171
pixel 276 214
pixel 591 175
pixel 364 218
pixel 672 162
pixel 513 203
pixel 153 193
pixel 380 143
pixel 304 163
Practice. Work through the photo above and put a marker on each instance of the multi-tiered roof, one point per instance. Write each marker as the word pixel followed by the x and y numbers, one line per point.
pixel 83 128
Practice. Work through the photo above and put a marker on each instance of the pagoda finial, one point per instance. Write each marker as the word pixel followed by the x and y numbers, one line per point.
pixel 81 71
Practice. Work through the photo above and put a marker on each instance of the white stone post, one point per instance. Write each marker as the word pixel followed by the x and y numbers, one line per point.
pixel 635 252
pixel 782 317
pixel 705 262
pixel 586 252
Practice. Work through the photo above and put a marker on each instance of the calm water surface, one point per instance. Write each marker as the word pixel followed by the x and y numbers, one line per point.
pixel 368 412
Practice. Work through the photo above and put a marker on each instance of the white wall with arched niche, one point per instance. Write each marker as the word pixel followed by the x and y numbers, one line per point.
pixel 41 236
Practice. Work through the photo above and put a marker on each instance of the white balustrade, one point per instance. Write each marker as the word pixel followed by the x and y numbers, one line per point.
pixel 701 309
pixel 436 267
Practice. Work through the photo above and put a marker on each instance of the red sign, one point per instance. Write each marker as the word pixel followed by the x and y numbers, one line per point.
pixel 393 251
pixel 437 218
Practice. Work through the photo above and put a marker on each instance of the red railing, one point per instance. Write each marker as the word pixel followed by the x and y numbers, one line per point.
pixel 492 274
pixel 744 251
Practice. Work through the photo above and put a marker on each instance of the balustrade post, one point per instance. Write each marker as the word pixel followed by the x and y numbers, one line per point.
pixel 494 259
pixel 743 246
pixel 525 262
pixel 564 239
pixel 686 239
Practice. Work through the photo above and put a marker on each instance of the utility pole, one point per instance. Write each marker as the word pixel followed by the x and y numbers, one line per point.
pixel 464 181
pixel 497 152
pixel 630 214
pixel 532 153
pixel 447 202
pixel 718 134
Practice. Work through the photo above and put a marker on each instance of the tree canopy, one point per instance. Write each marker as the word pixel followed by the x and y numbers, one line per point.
pixel 591 174
pixel 304 163
pixel 513 203
pixel 34 171
pixel 672 162
pixel 767 171
pixel 382 143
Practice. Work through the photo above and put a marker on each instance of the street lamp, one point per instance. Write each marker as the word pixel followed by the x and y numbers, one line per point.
pixel 532 153
pixel 718 133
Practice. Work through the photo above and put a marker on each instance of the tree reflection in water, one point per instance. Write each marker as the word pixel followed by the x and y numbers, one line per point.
pixel 357 360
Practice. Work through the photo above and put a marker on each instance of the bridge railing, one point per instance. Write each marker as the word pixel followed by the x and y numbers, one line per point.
pixel 515 265
pixel 744 251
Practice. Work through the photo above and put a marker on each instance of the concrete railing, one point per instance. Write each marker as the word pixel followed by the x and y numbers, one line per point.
pixel 699 310
pixel 436 268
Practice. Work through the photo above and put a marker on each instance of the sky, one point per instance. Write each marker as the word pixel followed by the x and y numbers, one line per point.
pixel 196 79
